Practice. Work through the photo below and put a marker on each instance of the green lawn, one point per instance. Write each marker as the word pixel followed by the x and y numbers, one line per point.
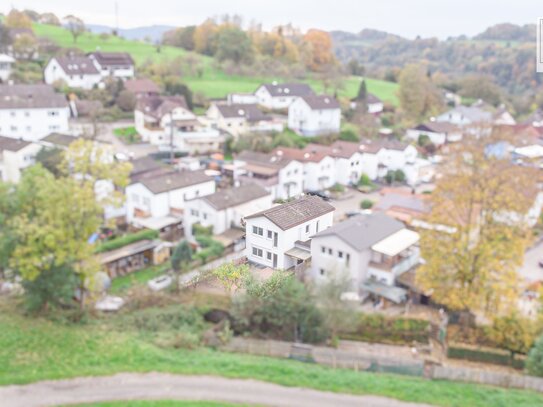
pixel 213 83
pixel 127 135
pixel 37 349
pixel 120 284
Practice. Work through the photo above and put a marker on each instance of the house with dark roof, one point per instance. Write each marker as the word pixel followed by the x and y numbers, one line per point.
pixel 279 96
pixel 374 105
pixel 114 64
pixel 31 112
pixel 226 208
pixel 142 87
pixel 373 251
pixel 15 156
pixel 77 71
pixel 279 237
pixel 314 115
pixel 438 133
pixel 279 175
pixel 164 194
pixel 237 119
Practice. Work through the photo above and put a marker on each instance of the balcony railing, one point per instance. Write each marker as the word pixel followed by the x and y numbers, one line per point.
pixel 400 266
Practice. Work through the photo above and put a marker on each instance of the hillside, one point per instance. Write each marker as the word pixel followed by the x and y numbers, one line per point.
pixel 214 83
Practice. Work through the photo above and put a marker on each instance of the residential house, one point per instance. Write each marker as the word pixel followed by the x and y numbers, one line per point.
pixel 279 96
pixel 403 205
pixel 226 208
pixel 28 43
pixel 502 117
pixel 6 66
pixel 278 174
pixel 57 140
pixel 167 120
pixel 278 237
pixel 77 71
pixel 372 250
pixel 319 168
pixel 394 155
pixel 314 115
pixel 114 64
pixel 142 87
pixel 374 105
pixel 466 116
pixel 438 133
pixel 146 167
pixel 238 119
pixel 164 194
pixel 15 156
pixel 242 99
pixel 32 111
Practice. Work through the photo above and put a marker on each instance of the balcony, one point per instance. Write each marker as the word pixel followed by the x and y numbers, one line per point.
pixel 398 264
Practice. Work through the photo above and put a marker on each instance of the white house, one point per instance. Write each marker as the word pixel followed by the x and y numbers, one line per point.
pixel 279 96
pixel 279 175
pixel 31 112
pixel 114 64
pixel 502 117
pixel 237 119
pixel 374 105
pixel 226 208
pixel 278 237
pixel 462 116
pixel 165 193
pixel 158 118
pixel 15 156
pixel 6 66
pixel 439 133
pixel 242 98
pixel 372 250
pixel 319 168
pixel 77 71
pixel 394 155
pixel 314 115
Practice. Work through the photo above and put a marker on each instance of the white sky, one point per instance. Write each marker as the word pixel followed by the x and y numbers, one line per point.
pixel 409 18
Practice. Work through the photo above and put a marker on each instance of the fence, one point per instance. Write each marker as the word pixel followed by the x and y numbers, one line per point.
pixel 375 362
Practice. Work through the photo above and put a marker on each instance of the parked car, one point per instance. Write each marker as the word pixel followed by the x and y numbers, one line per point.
pixel 324 195
pixel 160 283
pixel 109 303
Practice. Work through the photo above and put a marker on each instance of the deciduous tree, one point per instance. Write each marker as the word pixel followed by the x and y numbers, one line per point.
pixel 418 96
pixel 320 53
pixel 75 26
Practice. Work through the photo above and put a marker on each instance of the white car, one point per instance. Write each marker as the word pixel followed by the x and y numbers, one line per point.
pixel 160 283
pixel 109 303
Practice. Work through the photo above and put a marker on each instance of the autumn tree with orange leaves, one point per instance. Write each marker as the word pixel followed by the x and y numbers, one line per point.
pixel 318 55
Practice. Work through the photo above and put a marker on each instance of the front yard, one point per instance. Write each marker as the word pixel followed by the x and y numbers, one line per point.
pixel 128 135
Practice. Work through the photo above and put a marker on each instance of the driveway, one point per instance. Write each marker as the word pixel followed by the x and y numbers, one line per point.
pixel 130 150
pixel 351 202
pixel 160 386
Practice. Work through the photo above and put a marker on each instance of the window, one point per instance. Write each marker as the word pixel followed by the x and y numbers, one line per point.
pixel 135 198
pixel 204 215
pixel 197 193
pixel 340 254
pixel 194 212
pixel 269 255
pixel 28 128
pixel 321 271
pixel 146 201
pixel 257 252
pixel 306 228
pixel 27 114
pixel 323 249
pixel 347 259
pixel 317 227
pixel 258 231
pixel 12 114
pixel 13 128
pixel 330 252
pixel 270 234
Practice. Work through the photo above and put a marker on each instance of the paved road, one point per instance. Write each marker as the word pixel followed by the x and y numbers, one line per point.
pixel 159 386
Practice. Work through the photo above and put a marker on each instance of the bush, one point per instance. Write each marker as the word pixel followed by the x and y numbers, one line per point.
pixel 126 240
pixel 349 135
pixel 365 181
pixel 534 362
pixel 484 355
pixel 210 248
pixel 378 328
pixel 366 204
pixel 199 230
pixel 337 188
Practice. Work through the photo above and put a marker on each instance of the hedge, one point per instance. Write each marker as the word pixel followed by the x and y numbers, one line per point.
pixel 378 328
pixel 484 355
pixel 126 240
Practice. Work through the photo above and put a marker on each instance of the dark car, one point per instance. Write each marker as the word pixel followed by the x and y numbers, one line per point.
pixel 320 194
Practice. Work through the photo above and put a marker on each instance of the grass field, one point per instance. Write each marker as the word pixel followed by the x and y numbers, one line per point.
pixel 37 349
pixel 213 83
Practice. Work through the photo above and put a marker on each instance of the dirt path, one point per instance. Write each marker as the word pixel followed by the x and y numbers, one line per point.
pixel 159 386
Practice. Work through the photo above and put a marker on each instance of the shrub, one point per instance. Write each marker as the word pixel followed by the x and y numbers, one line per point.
pixel 534 363
pixel 349 135
pixel 483 355
pixel 366 204
pixel 126 240
pixel 210 248
pixel 199 230
pixel 365 181
pixel 337 188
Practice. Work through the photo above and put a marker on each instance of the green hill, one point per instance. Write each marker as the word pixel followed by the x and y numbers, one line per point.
pixel 214 83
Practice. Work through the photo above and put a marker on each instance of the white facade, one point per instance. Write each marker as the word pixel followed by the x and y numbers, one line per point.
pixel 266 243
pixel 242 98
pixel 375 108
pixel 394 159
pixel 34 123
pixel 140 200
pixel 6 66
pixel 319 175
pixel 313 122
pixel 268 101
pixel 200 211
pixel 54 72
pixel 12 163
pixel 370 165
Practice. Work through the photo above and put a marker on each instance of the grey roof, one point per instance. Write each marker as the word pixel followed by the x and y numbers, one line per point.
pixel 58 139
pixel 142 85
pixel 12 144
pixel 437 127
pixel 411 202
pixel 30 97
pixel 288 89
pixel 295 212
pixel 321 102
pixel 170 181
pixel 248 111
pixel 474 114
pixel 158 106
pixel 363 231
pixel 228 198
pixel 371 98
pixel 267 160
pixel 143 165
pixel 112 59
pixel 77 65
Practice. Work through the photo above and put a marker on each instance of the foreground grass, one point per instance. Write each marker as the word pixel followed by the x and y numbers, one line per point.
pixel 214 83
pixel 37 349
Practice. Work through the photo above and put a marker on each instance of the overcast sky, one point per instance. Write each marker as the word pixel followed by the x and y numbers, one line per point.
pixel 441 18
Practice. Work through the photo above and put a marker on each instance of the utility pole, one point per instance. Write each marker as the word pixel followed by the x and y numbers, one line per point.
pixel 117 18
pixel 171 138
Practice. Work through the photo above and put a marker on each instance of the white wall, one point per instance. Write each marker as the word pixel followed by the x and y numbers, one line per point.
pixel 33 124
pixel 321 175
pixel 397 159
pixel 275 103
pixel 13 162
pixel 54 72
pixel 436 138
pixel 5 70
pixel 285 241
pixel 309 122
pixel 292 174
